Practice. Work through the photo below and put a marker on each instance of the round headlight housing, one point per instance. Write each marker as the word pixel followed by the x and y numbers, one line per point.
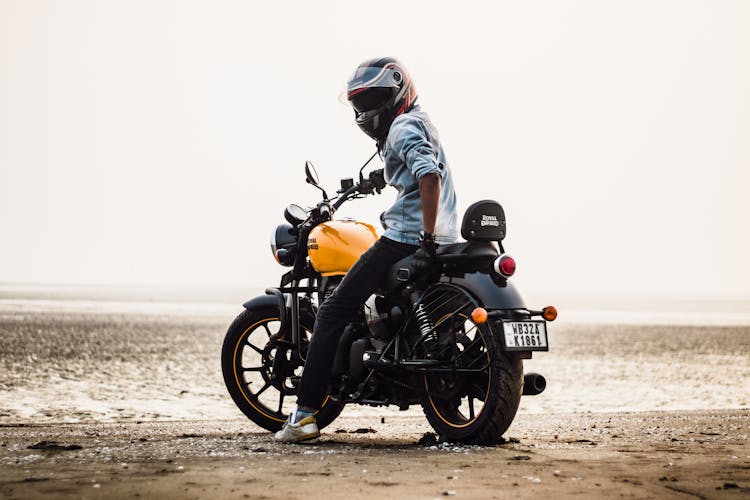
pixel 283 243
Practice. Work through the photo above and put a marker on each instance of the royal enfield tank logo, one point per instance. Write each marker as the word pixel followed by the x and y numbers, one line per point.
pixel 490 220
pixel 312 244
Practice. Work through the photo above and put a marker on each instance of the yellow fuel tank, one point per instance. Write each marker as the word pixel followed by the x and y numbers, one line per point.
pixel 335 246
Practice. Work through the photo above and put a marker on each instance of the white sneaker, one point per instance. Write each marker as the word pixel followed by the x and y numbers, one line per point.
pixel 294 432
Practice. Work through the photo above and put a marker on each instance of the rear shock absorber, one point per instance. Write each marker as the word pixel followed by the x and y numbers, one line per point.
pixel 426 330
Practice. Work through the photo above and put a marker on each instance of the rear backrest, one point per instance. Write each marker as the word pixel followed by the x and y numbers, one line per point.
pixel 484 221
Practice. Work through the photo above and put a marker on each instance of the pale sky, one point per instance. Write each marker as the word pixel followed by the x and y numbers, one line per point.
pixel 157 143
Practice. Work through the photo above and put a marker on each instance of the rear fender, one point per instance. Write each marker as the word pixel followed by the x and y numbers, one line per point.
pixel 489 294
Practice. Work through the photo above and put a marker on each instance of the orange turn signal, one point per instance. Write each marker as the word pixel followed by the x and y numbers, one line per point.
pixel 479 315
pixel 549 313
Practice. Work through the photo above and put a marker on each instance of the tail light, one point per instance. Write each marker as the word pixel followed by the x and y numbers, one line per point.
pixel 504 265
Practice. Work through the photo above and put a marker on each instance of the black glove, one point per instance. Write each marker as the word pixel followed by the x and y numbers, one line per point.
pixel 377 179
pixel 424 258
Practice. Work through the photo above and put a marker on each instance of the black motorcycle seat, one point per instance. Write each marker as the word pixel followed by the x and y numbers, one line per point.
pixel 463 257
pixel 466 250
pixel 452 248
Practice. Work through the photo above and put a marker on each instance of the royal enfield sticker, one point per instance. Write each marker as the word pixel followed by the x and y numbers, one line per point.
pixel 490 220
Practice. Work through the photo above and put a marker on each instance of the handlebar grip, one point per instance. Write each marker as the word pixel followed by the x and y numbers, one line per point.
pixel 377 178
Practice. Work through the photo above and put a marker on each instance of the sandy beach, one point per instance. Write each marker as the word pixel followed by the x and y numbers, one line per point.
pixel 164 162
pixel 103 402
pixel 633 455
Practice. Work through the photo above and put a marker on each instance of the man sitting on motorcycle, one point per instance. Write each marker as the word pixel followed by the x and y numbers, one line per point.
pixel 383 97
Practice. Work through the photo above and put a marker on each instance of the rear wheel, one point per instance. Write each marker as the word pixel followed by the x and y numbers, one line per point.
pixel 477 406
pixel 260 372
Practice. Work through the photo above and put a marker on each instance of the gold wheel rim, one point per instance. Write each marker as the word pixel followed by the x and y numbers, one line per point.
pixel 241 386
pixel 486 395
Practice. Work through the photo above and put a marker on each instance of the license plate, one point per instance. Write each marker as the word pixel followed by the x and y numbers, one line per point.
pixel 525 336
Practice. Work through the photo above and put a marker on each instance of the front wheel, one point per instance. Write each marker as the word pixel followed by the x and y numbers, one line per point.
pixel 477 404
pixel 260 372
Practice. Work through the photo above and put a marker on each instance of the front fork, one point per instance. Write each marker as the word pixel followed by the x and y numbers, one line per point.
pixel 289 331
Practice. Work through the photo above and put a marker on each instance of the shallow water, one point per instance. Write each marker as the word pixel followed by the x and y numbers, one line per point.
pixel 134 362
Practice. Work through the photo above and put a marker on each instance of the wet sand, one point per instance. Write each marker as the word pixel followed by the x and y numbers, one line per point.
pixel 634 455
pixel 81 367
pixel 96 404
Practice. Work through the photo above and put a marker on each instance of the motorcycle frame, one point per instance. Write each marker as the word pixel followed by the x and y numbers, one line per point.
pixel 291 325
pixel 502 301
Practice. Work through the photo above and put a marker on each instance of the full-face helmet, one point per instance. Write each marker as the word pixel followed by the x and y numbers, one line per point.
pixel 379 91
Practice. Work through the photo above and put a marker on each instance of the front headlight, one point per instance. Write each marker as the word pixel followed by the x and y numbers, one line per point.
pixel 283 243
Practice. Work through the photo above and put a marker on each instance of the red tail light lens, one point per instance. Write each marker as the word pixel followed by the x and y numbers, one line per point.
pixel 508 266
pixel 505 265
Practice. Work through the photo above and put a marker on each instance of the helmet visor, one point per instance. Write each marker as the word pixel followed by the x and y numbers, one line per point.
pixel 365 77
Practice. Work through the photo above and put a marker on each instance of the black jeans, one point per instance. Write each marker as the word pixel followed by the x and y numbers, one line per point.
pixel 338 310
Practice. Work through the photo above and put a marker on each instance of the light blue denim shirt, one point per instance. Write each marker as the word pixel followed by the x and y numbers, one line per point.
pixel 411 151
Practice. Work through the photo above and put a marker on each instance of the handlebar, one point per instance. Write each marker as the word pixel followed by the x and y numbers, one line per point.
pixel 375 182
pixel 345 196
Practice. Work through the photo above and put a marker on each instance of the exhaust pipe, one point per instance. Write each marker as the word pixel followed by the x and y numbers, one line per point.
pixel 533 384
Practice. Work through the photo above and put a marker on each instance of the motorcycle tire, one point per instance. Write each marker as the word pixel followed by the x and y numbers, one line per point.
pixel 249 361
pixel 498 388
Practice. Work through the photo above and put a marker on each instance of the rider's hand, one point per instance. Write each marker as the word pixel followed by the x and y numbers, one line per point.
pixel 378 180
pixel 424 258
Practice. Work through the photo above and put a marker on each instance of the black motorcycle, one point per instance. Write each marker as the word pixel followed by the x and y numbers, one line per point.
pixel 452 340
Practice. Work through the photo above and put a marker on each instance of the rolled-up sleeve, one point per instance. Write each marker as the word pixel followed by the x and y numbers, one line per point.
pixel 411 151
pixel 410 144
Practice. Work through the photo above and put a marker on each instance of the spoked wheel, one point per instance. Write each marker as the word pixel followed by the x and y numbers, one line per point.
pixel 475 406
pixel 261 373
